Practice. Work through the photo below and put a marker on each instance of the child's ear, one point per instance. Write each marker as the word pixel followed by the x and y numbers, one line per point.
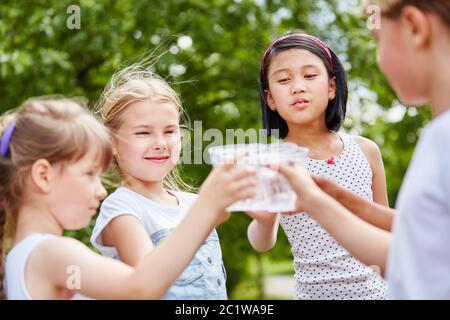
pixel 418 25
pixel 332 89
pixel 42 174
pixel 270 101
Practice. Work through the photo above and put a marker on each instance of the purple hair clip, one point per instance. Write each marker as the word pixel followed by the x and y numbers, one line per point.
pixel 6 137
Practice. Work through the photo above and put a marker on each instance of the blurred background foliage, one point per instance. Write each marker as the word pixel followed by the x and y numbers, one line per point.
pixel 210 51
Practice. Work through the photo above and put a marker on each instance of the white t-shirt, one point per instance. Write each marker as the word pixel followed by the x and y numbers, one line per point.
pixel 16 261
pixel 153 216
pixel 419 259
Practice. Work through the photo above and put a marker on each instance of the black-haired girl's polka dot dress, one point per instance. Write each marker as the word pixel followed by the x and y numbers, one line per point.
pixel 323 268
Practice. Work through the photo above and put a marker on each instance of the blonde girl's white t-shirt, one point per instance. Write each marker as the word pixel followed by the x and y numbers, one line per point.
pixel 152 215
pixel 205 276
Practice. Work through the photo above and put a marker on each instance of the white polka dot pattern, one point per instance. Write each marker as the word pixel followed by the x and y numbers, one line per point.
pixel 323 268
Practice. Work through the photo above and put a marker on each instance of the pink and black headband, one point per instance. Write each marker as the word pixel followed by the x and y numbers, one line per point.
pixel 316 40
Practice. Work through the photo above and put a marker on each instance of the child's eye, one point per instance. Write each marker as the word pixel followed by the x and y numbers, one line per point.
pixel 310 76
pixel 94 172
pixel 142 133
pixel 284 80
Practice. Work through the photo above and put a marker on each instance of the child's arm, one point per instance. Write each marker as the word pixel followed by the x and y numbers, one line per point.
pixel 262 231
pixel 373 155
pixel 106 278
pixel 128 236
pixel 371 212
pixel 365 241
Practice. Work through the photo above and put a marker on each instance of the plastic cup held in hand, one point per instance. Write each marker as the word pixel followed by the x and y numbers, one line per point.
pixel 273 192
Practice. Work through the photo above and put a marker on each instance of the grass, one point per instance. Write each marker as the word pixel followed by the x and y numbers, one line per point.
pixel 249 289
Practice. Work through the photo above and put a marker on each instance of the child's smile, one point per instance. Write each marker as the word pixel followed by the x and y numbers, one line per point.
pixel 158 159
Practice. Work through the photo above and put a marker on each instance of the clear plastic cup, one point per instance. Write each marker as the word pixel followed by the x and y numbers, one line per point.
pixel 273 192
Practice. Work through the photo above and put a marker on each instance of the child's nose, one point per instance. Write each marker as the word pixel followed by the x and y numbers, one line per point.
pixel 159 144
pixel 298 87
pixel 101 191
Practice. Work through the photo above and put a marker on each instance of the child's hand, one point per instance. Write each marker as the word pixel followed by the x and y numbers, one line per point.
pixel 301 182
pixel 264 217
pixel 328 186
pixel 227 184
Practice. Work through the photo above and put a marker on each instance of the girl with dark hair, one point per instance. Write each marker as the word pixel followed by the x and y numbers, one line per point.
pixel 413 43
pixel 303 94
